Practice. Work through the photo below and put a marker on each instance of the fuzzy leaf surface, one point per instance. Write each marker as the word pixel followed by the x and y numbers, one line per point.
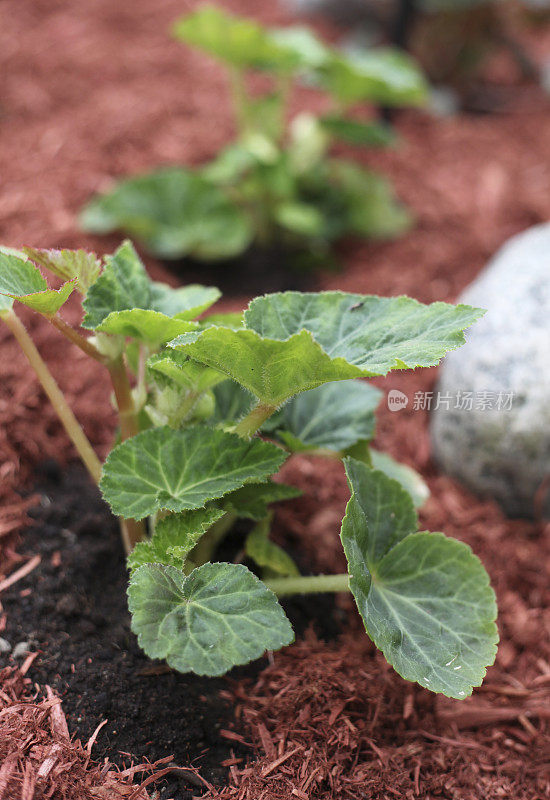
pixel 177 470
pixel 375 334
pixel 296 341
pixel 425 599
pixel 219 616
pixel 272 370
pixel 144 324
pixel 174 538
pixel 22 281
pixel 77 265
pixel 123 285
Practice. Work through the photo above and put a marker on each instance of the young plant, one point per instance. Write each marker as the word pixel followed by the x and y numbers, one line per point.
pixel 276 183
pixel 210 408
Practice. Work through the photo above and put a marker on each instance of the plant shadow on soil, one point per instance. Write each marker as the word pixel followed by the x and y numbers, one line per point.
pixel 72 609
pixel 259 270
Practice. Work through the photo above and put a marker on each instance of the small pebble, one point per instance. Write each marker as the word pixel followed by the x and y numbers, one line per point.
pixel 5 646
pixel 20 650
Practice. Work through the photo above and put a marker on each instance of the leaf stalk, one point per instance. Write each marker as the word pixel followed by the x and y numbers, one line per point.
pixel 254 420
pixel 309 584
pixel 76 338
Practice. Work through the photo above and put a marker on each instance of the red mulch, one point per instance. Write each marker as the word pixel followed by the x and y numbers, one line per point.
pixel 38 759
pixel 332 720
pixel 97 89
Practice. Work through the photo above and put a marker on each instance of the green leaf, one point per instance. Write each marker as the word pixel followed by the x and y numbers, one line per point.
pixel 301 218
pixel 184 372
pixel 186 302
pixel 18 276
pixel 381 75
pixel 267 554
pixel 409 479
pixel 272 370
pixel 334 416
pixel 77 265
pixel 228 319
pixel 425 599
pixel 375 334
pixel 123 285
pixel 177 470
pixel 297 341
pixel 252 501
pixel 22 281
pixel 173 212
pixel 308 50
pixel 219 616
pixel 174 538
pixel 229 165
pixel 370 134
pixel 144 324
pixel 234 40
pixel 368 203
pixel 6 302
pixel 384 508
pixel 232 403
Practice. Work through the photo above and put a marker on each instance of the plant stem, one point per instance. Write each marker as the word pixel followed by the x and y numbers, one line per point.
pixel 132 530
pixel 125 402
pixel 309 584
pixel 55 395
pixel 204 550
pixel 240 100
pixel 76 338
pixel 284 89
pixel 254 420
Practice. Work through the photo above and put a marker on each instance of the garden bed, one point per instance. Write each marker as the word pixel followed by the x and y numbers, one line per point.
pixel 472 182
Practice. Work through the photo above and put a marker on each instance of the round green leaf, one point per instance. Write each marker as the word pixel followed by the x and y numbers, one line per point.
pixel 425 599
pixel 334 416
pixel 176 470
pixel 174 212
pixel 218 617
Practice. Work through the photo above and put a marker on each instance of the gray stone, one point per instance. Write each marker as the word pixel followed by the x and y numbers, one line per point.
pixel 499 453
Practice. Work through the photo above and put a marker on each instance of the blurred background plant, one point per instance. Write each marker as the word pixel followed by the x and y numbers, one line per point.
pixel 453 40
pixel 276 187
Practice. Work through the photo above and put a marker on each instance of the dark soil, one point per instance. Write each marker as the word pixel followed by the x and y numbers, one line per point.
pixel 72 609
pixel 257 271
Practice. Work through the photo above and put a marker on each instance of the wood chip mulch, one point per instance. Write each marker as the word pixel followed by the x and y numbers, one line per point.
pixel 333 721
pixel 39 760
